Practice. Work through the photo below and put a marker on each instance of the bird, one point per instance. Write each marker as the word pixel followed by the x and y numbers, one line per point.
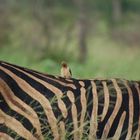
pixel 65 70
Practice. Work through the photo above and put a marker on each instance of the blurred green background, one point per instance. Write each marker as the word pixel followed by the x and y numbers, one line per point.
pixel 98 38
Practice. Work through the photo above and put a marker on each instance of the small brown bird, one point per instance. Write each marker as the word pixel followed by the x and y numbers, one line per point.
pixel 65 70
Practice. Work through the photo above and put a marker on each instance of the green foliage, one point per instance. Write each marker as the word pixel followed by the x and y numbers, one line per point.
pixel 105 59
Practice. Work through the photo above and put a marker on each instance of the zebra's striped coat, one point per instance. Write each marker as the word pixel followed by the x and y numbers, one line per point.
pixel 35 106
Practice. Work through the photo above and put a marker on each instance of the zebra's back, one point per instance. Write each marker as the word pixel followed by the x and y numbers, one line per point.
pixel 36 106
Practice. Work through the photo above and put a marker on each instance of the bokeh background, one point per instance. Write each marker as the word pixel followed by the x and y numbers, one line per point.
pixel 97 38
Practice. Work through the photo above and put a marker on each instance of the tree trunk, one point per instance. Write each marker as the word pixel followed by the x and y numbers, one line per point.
pixel 116 11
pixel 82 40
pixel 82 30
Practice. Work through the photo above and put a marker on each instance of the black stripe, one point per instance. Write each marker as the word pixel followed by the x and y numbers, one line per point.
pixel 10 132
pixel 24 121
pixel 125 107
pixel 112 101
pixel 89 98
pixel 136 107
pixel 25 98
pixel 100 94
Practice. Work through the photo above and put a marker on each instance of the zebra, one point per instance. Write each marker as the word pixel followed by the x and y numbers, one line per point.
pixel 38 106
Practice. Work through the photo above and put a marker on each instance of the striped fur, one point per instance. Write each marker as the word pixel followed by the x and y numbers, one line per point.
pixel 35 106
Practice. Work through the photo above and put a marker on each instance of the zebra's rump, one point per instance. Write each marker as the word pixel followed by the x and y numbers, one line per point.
pixel 36 106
